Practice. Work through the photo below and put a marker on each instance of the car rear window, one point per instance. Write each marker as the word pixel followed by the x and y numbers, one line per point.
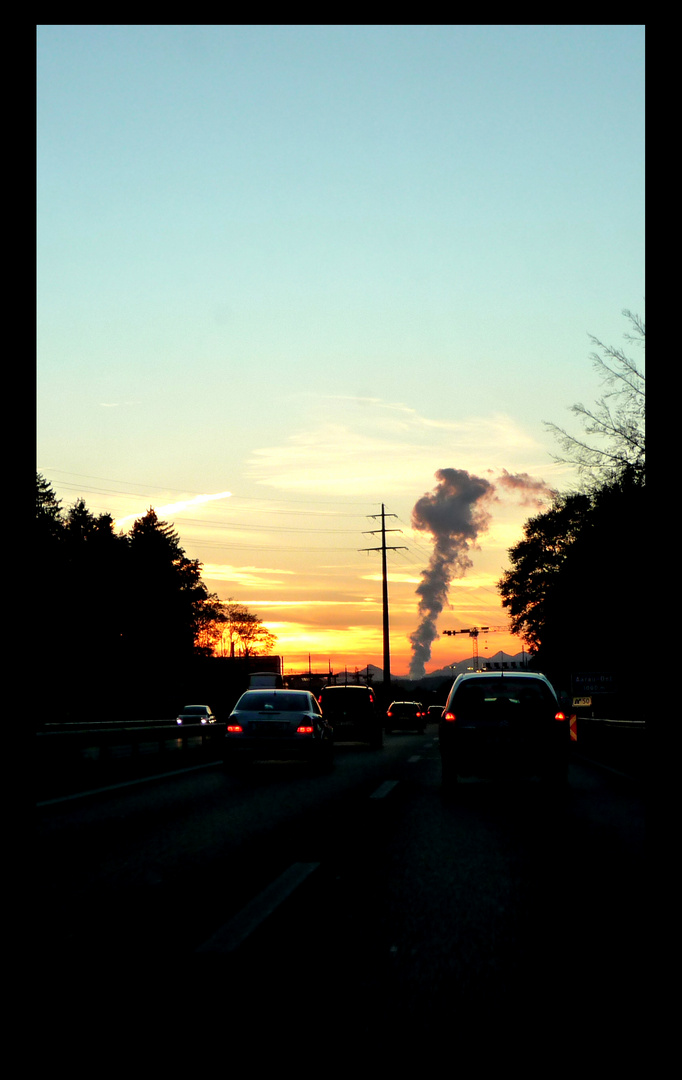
pixel 281 701
pixel 477 692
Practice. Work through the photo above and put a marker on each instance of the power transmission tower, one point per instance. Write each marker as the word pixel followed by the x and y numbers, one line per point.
pixel 383 549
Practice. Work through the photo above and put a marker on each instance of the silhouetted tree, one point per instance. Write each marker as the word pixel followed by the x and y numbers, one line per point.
pixel 123 608
pixel 615 424
pixel 165 592
pixel 537 563
pixel 242 632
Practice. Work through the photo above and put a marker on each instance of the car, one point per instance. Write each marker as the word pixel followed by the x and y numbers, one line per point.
pixel 496 724
pixel 352 713
pixel 406 716
pixel 195 714
pixel 434 712
pixel 278 724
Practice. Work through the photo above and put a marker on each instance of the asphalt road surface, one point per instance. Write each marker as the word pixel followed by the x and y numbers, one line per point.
pixel 358 913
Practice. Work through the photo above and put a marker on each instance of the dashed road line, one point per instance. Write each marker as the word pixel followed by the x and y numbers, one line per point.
pixel 239 928
pixel 384 789
pixel 127 783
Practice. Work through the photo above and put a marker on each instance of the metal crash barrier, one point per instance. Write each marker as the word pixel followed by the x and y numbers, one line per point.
pixel 76 755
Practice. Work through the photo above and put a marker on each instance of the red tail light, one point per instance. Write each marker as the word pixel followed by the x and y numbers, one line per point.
pixel 449 716
pixel 235 728
pixel 560 716
pixel 304 729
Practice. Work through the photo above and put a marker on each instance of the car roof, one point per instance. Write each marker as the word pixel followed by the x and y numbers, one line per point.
pixel 531 676
pixel 350 686
pixel 275 690
pixel 503 675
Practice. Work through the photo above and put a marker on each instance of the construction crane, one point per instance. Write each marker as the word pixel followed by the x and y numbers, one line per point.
pixel 473 633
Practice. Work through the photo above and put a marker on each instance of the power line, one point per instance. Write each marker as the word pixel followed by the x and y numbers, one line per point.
pixel 383 549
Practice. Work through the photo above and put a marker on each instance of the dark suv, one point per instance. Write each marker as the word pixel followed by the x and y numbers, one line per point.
pixel 406 716
pixel 495 724
pixel 352 713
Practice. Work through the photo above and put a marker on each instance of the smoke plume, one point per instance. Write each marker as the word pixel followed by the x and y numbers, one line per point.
pixel 533 492
pixel 454 513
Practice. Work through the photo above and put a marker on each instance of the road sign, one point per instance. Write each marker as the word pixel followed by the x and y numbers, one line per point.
pixel 586 683
pixel 581 702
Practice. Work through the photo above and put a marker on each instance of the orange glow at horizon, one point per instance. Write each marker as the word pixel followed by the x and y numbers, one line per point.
pixel 301 644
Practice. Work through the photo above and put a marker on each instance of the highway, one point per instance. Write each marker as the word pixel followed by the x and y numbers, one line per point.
pixel 365 894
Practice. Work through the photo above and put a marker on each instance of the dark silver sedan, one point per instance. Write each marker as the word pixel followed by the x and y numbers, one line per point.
pixel 195 714
pixel 268 725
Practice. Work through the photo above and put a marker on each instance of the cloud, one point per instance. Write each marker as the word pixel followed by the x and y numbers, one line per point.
pixel 371 448
pixel 243 575
pixel 178 507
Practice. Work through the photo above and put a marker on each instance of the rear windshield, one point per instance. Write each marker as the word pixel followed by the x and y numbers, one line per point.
pixel 191 710
pixel 271 701
pixel 475 692
pixel 344 691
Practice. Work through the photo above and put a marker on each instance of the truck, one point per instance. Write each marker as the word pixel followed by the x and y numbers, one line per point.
pixel 265 680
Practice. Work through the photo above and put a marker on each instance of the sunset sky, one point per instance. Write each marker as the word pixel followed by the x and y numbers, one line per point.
pixel 287 274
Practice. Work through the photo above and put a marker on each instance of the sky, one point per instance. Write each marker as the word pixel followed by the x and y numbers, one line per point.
pixel 287 275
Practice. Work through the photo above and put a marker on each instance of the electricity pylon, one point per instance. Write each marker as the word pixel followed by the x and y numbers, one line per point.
pixel 383 549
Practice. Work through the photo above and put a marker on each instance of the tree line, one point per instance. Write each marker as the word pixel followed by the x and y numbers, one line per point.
pixel 125 609
pixel 574 591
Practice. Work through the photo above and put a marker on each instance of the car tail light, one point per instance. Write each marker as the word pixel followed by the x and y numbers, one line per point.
pixel 449 716
pixel 389 713
pixel 304 729
pixel 237 728
pixel 560 716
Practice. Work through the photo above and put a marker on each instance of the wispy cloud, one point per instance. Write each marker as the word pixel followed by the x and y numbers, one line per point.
pixel 177 507
pixel 372 446
pixel 243 575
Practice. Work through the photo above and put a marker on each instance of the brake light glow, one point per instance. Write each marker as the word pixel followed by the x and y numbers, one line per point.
pixel 449 716
pixel 235 728
pixel 304 729
pixel 560 716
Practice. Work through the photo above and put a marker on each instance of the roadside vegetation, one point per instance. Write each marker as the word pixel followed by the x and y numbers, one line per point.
pixel 575 590
pixel 126 611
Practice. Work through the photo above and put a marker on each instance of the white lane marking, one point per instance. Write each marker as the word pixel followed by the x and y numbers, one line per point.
pixel 383 790
pixel 127 783
pixel 234 932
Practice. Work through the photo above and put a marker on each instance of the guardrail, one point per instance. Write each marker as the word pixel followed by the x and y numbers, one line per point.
pixel 79 755
pixel 619 744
